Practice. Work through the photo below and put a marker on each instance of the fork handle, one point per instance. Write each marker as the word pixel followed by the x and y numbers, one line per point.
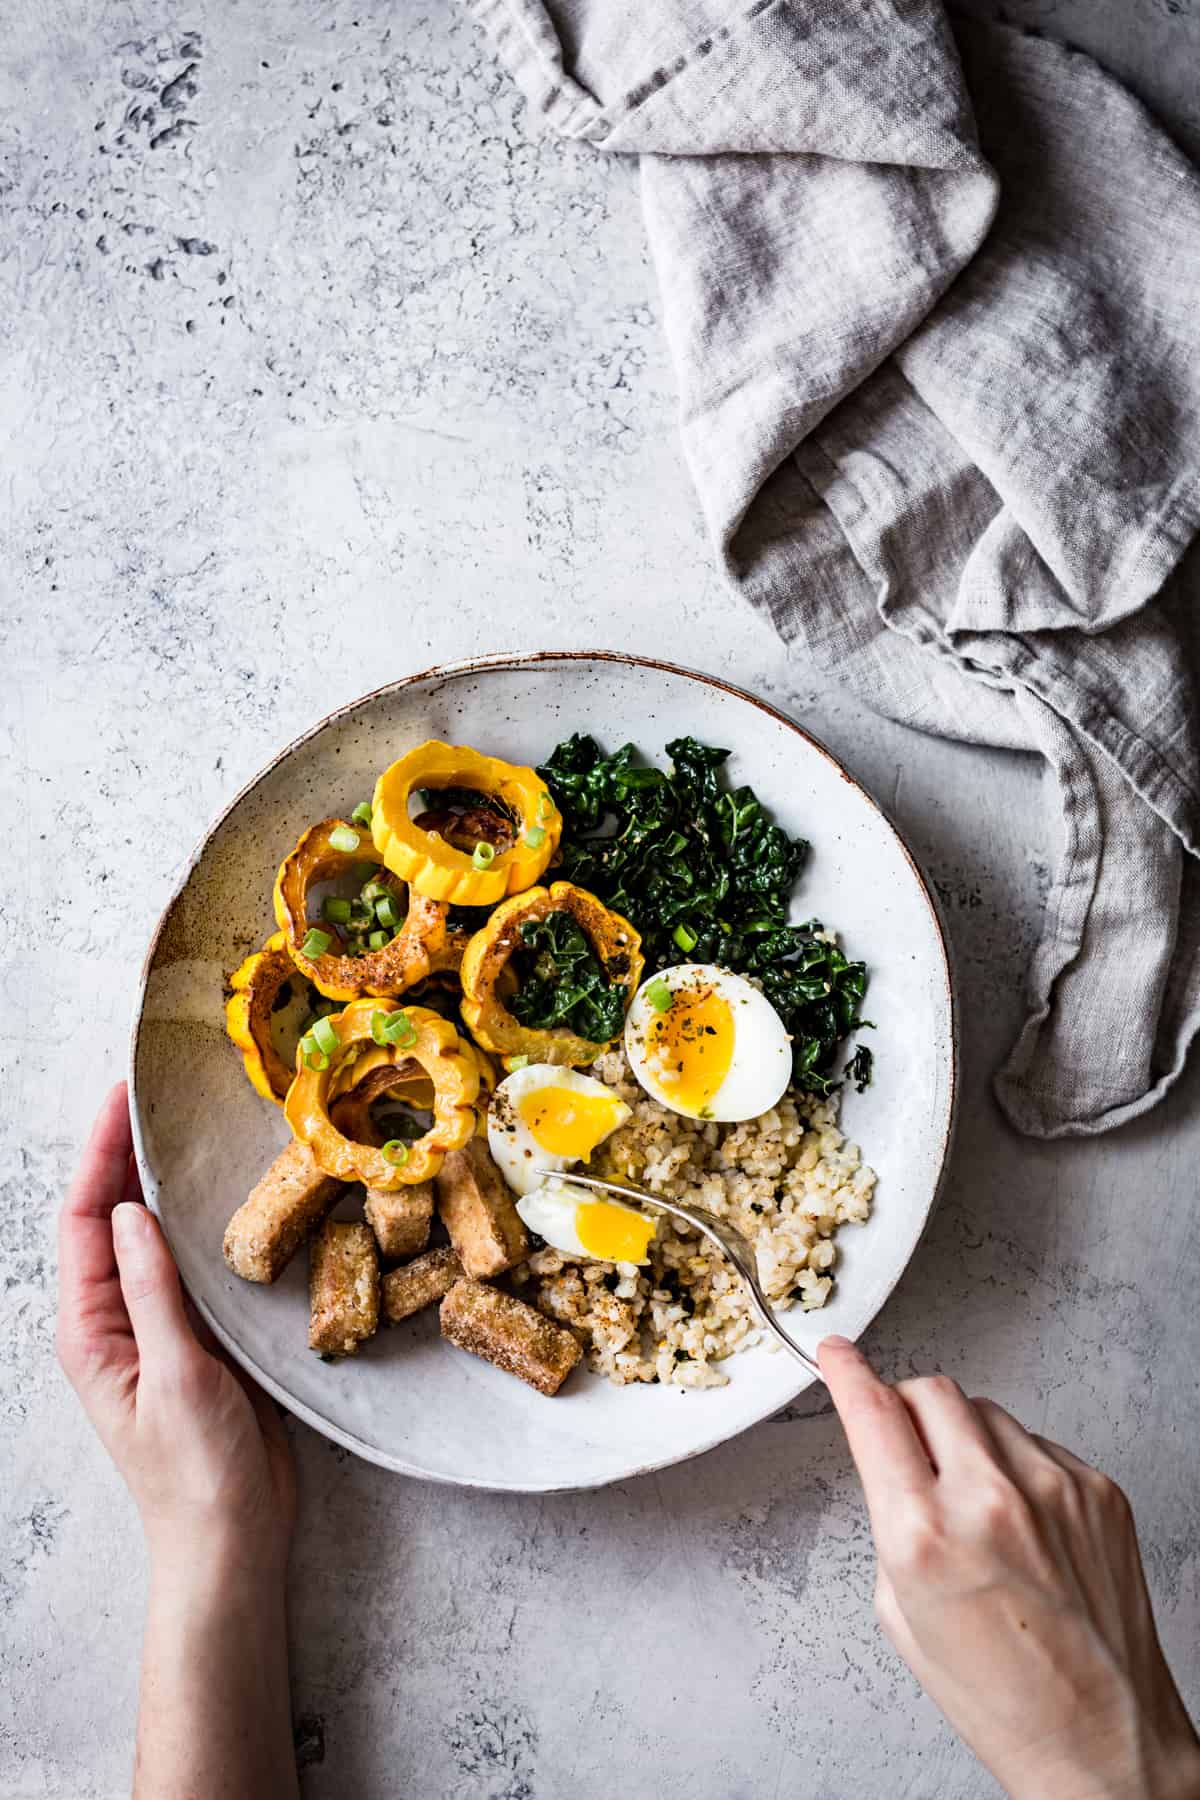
pixel 768 1318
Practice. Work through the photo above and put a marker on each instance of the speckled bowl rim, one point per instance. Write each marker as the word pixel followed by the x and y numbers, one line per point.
pixel 445 672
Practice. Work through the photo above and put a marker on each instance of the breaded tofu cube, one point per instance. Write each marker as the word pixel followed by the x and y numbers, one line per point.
pixel 343 1288
pixel 420 1283
pixel 289 1202
pixel 479 1212
pixel 507 1332
pixel 400 1218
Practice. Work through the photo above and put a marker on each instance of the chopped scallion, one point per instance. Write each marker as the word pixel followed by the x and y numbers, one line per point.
pixel 400 1029
pixel 393 1028
pixel 316 943
pixel 513 1063
pixel 342 838
pixel 362 813
pixel 687 940
pixel 658 994
pixel 336 911
pixel 545 805
pixel 385 911
pixel 324 1035
pixel 395 1151
pixel 483 856
pixel 535 837
pixel 378 939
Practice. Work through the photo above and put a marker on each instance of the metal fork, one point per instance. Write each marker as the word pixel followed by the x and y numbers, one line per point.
pixel 719 1232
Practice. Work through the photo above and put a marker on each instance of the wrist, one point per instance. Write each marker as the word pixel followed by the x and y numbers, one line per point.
pixel 1140 1764
pixel 213 1567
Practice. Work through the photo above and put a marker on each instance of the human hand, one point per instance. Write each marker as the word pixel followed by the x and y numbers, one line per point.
pixel 1010 1582
pixel 201 1449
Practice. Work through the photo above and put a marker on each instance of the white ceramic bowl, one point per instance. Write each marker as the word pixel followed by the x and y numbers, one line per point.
pixel 408 1401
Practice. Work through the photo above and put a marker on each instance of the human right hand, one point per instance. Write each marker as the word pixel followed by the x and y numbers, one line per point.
pixel 1011 1584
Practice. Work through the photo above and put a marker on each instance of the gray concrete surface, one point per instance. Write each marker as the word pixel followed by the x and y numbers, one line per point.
pixel 315 369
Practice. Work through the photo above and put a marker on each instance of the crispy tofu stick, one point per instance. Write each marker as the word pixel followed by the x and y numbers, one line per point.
pixel 290 1200
pixel 420 1283
pixel 479 1212
pixel 510 1334
pixel 343 1288
pixel 400 1218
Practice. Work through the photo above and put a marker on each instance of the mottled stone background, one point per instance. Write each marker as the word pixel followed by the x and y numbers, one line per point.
pixel 314 369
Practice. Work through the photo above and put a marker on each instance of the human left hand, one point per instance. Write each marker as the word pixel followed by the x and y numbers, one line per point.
pixel 202 1450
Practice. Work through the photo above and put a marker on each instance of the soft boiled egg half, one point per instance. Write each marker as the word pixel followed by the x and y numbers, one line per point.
pixel 542 1119
pixel 708 1044
pixel 582 1224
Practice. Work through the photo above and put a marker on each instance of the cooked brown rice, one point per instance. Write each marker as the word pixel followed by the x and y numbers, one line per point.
pixel 787 1180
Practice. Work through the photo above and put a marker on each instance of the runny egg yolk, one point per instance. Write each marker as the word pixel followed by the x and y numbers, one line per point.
pixel 691 1045
pixel 613 1233
pixel 564 1122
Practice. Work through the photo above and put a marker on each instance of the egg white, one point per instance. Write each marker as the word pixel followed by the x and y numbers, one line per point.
pixel 761 1065
pixel 553 1209
pixel 522 1161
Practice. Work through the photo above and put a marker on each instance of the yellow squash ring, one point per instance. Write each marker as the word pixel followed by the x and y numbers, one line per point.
pixel 421 945
pixel 248 1016
pixel 439 870
pixel 437 1048
pixel 414 1088
pixel 616 944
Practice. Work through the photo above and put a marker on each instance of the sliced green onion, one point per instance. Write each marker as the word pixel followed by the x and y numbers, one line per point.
pixel 342 838
pixel 378 939
pixel 373 891
pixel 395 1151
pixel 336 911
pixel 324 1035
pixel 535 837
pixel 687 940
pixel 393 1028
pixel 400 1029
pixel 545 804
pixel 385 911
pixel 314 1056
pixel 362 813
pixel 513 1063
pixel 484 856
pixel 316 943
pixel 659 994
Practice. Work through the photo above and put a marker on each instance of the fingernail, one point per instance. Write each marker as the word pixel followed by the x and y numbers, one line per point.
pixel 835 1342
pixel 128 1223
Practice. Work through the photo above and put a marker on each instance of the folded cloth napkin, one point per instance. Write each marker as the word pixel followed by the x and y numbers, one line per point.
pixel 933 298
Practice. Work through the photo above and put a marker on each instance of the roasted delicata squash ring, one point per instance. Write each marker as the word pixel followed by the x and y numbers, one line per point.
pixel 248 1010
pixel 437 1051
pixel 406 1079
pixel 616 944
pixel 375 1072
pixel 438 869
pixel 487 1084
pixel 422 943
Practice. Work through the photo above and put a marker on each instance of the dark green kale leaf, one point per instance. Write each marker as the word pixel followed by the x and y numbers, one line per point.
pixel 858 1069
pixel 703 874
pixel 562 982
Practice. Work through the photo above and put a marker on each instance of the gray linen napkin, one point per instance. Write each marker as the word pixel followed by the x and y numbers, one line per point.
pixel 932 298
